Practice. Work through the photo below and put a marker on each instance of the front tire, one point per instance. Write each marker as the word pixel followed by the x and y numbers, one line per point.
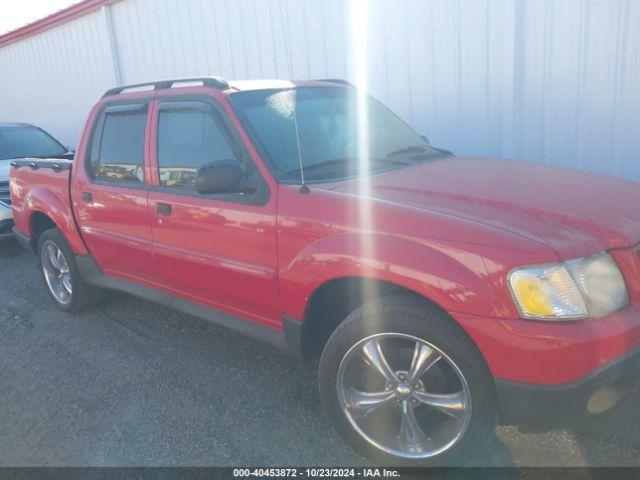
pixel 62 279
pixel 404 385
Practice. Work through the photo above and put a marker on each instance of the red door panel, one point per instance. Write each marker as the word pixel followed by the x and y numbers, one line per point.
pixel 114 223
pixel 217 253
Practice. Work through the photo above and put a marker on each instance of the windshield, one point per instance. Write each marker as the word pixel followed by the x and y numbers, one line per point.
pixel 22 142
pixel 328 130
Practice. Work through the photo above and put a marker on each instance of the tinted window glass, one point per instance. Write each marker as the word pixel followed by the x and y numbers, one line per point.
pixel 188 139
pixel 120 155
pixel 21 142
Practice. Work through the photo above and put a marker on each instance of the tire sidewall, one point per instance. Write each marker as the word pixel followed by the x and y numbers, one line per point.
pixel 407 316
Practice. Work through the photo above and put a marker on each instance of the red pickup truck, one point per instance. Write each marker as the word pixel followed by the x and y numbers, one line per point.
pixel 442 294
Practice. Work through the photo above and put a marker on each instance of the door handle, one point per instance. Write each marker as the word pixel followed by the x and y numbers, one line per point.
pixel 87 197
pixel 163 209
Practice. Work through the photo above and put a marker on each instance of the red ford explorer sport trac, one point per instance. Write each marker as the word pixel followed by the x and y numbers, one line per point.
pixel 442 294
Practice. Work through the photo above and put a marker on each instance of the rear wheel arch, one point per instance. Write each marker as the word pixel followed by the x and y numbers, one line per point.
pixel 38 224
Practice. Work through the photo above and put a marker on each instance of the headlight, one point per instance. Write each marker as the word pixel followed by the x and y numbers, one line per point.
pixel 589 287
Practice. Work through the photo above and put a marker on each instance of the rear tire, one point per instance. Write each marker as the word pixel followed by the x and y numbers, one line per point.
pixel 424 370
pixel 62 279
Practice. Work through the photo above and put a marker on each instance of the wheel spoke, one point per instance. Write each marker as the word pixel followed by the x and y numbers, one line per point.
pixel 452 404
pixel 410 432
pixel 57 273
pixel 366 402
pixel 53 257
pixel 402 416
pixel 424 357
pixel 66 283
pixel 64 266
pixel 373 354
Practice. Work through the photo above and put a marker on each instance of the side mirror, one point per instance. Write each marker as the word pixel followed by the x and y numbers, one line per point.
pixel 222 176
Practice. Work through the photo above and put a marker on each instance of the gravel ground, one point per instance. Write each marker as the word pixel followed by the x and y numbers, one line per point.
pixel 131 383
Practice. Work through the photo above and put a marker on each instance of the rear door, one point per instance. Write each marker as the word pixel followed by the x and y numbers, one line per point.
pixel 110 202
pixel 216 250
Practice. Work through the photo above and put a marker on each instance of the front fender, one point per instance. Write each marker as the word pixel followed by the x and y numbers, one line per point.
pixel 448 274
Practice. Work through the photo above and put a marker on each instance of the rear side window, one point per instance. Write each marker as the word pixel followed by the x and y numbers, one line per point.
pixel 190 135
pixel 117 152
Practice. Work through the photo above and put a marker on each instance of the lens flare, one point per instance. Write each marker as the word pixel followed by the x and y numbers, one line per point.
pixel 359 14
pixel 359 21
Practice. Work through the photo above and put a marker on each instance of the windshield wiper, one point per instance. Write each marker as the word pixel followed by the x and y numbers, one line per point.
pixel 408 151
pixel 339 161
pixel 319 166
pixel 419 151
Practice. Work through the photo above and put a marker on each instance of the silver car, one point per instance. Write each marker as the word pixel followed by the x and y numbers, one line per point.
pixel 18 141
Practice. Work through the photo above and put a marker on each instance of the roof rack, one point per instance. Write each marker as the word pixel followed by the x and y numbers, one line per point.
pixel 340 81
pixel 214 82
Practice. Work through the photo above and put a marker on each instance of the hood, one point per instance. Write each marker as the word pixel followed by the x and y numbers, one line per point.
pixel 575 213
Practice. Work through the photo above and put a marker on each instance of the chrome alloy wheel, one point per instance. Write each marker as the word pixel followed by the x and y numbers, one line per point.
pixel 56 272
pixel 404 395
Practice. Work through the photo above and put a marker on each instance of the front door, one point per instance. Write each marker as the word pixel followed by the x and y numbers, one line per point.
pixel 216 250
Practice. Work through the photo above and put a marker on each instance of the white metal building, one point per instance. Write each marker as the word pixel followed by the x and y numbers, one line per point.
pixel 553 81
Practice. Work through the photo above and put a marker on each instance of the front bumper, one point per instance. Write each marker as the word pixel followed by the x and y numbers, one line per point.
pixel 6 221
pixel 544 407
pixel 558 374
pixel 553 353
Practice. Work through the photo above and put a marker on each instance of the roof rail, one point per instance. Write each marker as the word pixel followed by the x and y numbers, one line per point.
pixel 340 81
pixel 214 82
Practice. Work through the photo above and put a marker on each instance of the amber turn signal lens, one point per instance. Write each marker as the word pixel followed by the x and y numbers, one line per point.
pixel 547 292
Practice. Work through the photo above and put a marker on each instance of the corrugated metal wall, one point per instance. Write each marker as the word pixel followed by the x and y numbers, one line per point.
pixel 553 81
pixel 53 78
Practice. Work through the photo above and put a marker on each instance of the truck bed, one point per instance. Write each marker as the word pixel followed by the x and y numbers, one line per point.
pixel 41 185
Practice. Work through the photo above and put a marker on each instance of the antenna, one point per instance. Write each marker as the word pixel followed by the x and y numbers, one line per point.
pixel 303 186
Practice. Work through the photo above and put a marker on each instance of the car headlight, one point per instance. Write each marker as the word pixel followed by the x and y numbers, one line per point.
pixel 587 288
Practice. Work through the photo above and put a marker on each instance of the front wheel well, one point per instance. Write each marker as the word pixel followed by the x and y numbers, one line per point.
pixel 333 301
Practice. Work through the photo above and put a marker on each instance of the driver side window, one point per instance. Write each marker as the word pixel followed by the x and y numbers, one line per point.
pixel 189 137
